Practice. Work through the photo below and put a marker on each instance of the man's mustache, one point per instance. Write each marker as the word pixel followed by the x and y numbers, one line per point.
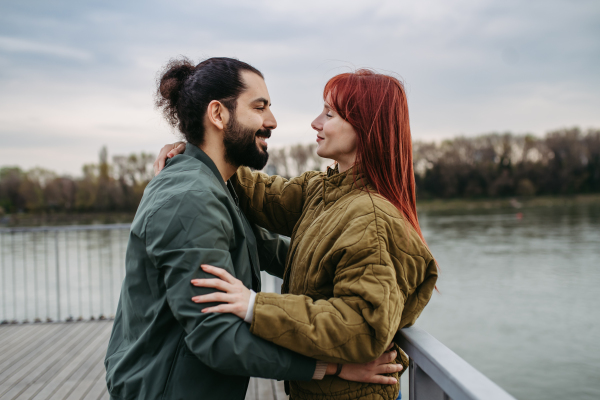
pixel 266 133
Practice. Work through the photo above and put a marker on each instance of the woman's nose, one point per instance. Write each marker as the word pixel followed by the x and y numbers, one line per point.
pixel 316 125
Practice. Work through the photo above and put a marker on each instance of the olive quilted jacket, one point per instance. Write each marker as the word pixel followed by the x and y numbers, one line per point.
pixel 356 272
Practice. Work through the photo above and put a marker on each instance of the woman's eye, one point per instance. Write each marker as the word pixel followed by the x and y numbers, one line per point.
pixel 329 115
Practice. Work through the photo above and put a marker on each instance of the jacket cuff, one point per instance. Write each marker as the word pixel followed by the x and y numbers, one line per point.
pixel 250 311
pixel 320 370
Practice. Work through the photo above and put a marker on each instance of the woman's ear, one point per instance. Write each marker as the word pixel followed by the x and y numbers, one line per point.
pixel 217 115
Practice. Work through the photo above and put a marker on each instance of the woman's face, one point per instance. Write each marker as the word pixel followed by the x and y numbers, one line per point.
pixel 336 138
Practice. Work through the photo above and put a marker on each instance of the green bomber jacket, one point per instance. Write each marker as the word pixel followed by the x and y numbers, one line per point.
pixel 356 273
pixel 162 346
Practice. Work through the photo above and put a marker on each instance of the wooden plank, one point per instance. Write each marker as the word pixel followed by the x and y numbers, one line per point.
pixel 52 360
pixel 45 352
pixel 279 390
pixel 265 389
pixel 88 382
pixel 26 342
pixel 78 376
pixel 251 392
pixel 65 361
pixel 7 333
pixel 57 378
pixel 45 375
pixel 98 390
pixel 18 333
pixel 28 368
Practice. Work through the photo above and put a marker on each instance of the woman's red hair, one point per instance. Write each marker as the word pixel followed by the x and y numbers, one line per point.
pixel 376 106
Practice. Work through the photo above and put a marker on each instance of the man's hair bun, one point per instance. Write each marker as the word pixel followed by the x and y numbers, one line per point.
pixel 169 86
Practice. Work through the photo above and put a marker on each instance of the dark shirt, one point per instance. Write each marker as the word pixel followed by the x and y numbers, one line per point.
pixel 162 345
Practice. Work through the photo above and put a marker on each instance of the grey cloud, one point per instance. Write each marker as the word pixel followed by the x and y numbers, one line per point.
pixel 17 45
pixel 465 63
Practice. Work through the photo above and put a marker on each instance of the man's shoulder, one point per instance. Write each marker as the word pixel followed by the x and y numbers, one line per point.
pixel 186 184
pixel 185 174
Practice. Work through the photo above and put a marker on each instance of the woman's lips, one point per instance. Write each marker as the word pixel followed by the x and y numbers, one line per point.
pixel 319 138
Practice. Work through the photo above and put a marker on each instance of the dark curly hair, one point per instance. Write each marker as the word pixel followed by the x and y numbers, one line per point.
pixel 184 91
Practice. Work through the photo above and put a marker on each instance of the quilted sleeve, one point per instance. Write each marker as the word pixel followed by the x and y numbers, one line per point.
pixel 272 202
pixel 360 320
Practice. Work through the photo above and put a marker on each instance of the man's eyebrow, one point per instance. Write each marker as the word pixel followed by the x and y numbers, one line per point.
pixel 261 100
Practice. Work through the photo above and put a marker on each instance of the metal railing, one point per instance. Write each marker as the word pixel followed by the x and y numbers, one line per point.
pixel 437 373
pixel 66 273
pixel 61 273
pixel 75 272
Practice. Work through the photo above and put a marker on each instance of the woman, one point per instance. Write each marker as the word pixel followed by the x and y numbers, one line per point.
pixel 358 268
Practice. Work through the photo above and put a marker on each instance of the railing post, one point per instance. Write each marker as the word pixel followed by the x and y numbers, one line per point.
pixel 101 275
pixel 90 292
pixel 47 276
pixel 80 283
pixel 57 275
pixel 111 278
pixel 422 387
pixel 68 278
pixel 3 266
pixel 25 280
pixel 14 275
pixel 36 317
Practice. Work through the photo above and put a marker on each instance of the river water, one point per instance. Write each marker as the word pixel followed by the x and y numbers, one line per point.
pixel 519 298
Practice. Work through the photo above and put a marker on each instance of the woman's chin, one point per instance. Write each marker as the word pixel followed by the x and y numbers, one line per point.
pixel 322 153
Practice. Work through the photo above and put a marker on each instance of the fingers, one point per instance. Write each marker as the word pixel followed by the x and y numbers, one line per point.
pixel 219 272
pixel 213 298
pixel 158 165
pixel 386 358
pixel 213 283
pixel 178 148
pixel 390 346
pixel 382 380
pixel 389 368
pixel 221 308
pixel 168 151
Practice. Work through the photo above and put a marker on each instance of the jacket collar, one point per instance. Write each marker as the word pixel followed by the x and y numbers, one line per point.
pixel 336 184
pixel 196 152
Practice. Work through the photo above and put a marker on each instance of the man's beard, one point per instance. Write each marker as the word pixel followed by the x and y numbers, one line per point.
pixel 241 147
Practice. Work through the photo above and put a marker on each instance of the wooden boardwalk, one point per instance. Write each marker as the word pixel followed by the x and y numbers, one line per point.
pixel 65 361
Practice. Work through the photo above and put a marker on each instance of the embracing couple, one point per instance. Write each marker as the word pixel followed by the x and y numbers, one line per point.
pixel 192 322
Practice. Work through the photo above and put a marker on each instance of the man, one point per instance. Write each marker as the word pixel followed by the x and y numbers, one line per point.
pixel 162 345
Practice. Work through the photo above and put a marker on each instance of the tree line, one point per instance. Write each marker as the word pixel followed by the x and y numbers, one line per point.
pixel 103 187
pixel 565 161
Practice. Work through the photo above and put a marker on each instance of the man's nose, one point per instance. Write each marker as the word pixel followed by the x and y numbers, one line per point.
pixel 270 122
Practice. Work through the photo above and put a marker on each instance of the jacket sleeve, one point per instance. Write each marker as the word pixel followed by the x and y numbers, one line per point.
pixel 273 202
pixel 272 251
pixel 358 322
pixel 191 229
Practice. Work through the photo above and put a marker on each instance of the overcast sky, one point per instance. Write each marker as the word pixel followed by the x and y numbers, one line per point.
pixel 77 75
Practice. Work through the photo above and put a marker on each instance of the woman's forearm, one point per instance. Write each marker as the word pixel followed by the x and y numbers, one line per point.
pixel 273 202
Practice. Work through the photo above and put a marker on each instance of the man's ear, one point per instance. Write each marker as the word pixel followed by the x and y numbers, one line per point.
pixel 217 114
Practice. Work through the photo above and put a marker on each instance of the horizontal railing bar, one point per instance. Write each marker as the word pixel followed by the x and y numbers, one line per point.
pixel 458 379
pixel 65 228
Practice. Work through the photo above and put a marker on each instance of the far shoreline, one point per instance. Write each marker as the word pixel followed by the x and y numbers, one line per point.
pixel 512 204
